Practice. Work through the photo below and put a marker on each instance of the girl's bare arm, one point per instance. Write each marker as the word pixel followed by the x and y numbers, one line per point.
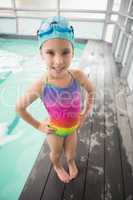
pixel 21 107
pixel 31 95
pixel 90 89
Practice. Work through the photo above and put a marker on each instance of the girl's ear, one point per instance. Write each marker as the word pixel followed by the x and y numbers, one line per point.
pixel 41 53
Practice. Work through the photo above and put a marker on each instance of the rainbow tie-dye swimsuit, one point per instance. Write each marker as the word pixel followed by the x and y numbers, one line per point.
pixel 63 106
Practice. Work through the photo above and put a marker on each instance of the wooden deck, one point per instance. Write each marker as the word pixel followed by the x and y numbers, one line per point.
pixel 105 143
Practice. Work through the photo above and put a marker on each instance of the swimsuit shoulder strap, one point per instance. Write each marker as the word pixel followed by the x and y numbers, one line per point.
pixel 74 76
pixel 45 80
pixel 71 74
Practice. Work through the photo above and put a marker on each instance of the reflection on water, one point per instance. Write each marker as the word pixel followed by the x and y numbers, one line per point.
pixel 4 76
pixel 9 61
pixel 6 131
pixel 4 139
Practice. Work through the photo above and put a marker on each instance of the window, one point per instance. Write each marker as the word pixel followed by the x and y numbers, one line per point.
pixel 109 33
pixel 8 26
pixel 114 17
pixel 36 4
pixel 88 30
pixel 116 5
pixel 84 4
pixel 6 3
pixel 84 15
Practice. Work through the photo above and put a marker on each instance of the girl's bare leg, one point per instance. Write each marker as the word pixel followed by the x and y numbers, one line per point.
pixel 70 145
pixel 56 147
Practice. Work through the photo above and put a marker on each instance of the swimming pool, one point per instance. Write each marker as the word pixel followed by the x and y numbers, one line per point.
pixel 20 65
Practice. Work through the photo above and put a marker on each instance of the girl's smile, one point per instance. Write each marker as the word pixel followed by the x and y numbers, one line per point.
pixel 58 70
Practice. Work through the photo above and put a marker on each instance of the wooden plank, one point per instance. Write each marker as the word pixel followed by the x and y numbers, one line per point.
pixel 113 170
pixel 126 140
pixel 54 188
pixel 95 173
pixel 37 179
pixel 75 189
pixel 129 105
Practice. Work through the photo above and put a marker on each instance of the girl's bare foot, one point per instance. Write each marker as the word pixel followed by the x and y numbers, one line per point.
pixel 62 174
pixel 73 170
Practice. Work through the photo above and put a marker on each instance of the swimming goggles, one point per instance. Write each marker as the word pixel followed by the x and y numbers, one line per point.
pixel 46 29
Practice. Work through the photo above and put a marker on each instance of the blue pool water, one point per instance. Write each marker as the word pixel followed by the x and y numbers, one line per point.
pixel 20 65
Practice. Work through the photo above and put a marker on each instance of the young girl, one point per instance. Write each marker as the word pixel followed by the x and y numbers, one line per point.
pixel 59 90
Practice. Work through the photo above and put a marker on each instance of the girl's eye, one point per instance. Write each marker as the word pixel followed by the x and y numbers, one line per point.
pixel 65 52
pixel 50 53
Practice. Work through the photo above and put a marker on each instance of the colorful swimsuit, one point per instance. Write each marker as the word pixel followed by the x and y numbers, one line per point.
pixel 63 106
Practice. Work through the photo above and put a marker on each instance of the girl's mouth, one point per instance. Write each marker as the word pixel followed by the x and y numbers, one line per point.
pixel 58 70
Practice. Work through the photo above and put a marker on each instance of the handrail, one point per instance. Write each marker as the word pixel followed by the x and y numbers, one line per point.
pixel 125 15
pixel 71 19
pixel 128 35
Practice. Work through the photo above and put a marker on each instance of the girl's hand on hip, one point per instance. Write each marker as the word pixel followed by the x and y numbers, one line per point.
pixel 45 127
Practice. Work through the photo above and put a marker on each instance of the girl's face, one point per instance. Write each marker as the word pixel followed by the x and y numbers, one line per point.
pixel 57 54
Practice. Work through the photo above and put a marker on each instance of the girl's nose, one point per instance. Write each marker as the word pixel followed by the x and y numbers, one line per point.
pixel 58 59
